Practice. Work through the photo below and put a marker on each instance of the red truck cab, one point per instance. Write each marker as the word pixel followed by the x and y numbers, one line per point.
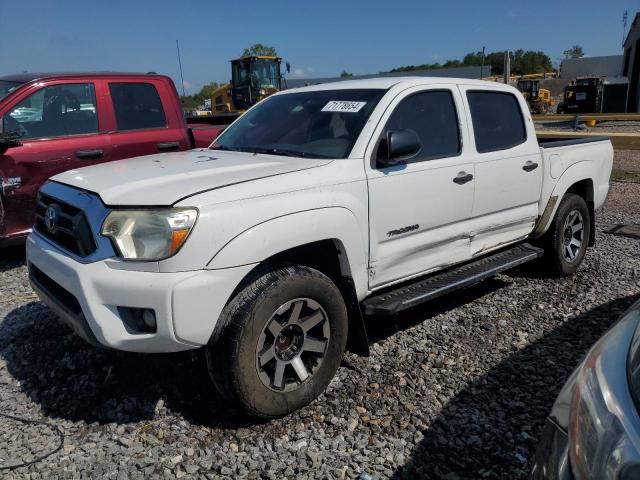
pixel 53 122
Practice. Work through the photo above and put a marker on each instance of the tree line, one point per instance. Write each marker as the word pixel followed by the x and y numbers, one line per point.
pixel 522 62
pixel 192 102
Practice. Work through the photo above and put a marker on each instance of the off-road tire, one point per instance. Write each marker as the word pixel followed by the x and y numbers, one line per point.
pixel 231 352
pixel 555 240
pixel 543 107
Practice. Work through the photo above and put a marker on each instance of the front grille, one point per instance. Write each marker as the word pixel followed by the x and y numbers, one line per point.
pixel 71 229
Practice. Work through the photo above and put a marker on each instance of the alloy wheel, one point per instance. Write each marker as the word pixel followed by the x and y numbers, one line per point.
pixel 292 344
pixel 572 236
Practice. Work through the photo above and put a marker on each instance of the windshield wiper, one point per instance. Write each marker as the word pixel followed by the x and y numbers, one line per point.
pixel 284 152
pixel 271 151
pixel 224 147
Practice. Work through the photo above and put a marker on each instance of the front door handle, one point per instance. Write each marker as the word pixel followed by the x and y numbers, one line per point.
pixel 462 178
pixel 530 166
pixel 168 145
pixel 95 153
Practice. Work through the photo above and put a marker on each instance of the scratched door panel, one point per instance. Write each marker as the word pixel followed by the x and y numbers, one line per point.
pixel 419 219
pixel 419 210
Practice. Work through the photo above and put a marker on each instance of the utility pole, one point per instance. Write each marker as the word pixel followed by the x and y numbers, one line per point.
pixel 507 67
pixel 180 65
pixel 482 65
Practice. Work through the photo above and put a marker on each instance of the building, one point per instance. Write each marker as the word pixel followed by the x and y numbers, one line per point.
pixel 458 72
pixel 609 66
pixel 631 64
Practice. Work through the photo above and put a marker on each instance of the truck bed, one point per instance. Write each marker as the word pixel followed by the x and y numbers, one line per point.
pixel 554 143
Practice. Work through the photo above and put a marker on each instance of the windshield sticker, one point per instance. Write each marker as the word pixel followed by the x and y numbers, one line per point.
pixel 343 106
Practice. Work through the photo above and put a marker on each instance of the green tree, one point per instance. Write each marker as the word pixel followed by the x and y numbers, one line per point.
pixel 473 59
pixel 192 102
pixel 259 49
pixel 346 74
pixel 530 62
pixel 496 61
pixel 574 52
pixel 208 90
pixel 523 62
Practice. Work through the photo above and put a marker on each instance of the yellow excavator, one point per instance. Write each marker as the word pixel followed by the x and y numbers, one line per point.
pixel 539 99
pixel 253 78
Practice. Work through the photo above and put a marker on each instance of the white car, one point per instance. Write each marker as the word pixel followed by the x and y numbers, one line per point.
pixel 317 205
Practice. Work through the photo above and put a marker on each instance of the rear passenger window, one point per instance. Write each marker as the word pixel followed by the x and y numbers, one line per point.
pixel 432 115
pixel 497 120
pixel 137 106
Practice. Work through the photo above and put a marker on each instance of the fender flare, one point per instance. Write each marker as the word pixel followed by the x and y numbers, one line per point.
pixel 276 235
pixel 575 173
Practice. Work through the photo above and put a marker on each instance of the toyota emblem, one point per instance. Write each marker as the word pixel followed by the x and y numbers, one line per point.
pixel 51 217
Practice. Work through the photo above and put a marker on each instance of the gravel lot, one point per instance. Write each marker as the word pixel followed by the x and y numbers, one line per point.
pixel 458 389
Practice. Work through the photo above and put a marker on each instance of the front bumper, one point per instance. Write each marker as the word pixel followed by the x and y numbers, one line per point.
pixel 86 296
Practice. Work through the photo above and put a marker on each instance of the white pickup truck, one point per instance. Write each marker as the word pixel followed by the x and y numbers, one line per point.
pixel 316 207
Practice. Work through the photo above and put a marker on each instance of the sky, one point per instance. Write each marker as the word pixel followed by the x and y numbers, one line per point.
pixel 318 39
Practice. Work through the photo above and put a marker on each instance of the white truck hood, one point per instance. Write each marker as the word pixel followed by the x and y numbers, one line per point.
pixel 166 178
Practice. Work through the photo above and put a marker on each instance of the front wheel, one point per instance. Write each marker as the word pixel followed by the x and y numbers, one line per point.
pixel 543 107
pixel 568 236
pixel 279 342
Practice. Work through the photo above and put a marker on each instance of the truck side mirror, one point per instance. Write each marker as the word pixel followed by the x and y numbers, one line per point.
pixel 400 146
pixel 7 140
pixel 7 143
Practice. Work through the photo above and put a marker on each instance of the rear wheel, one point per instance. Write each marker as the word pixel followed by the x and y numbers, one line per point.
pixel 279 342
pixel 568 236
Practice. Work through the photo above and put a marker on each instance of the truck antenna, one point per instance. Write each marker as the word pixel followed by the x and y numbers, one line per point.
pixel 180 65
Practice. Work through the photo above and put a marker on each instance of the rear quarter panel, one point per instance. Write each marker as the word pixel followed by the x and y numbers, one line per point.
pixel 565 166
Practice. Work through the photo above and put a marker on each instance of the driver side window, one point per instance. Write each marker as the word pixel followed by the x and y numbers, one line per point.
pixel 54 111
pixel 432 116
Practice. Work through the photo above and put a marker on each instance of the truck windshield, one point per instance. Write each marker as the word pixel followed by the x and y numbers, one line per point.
pixel 265 73
pixel 7 87
pixel 524 85
pixel 317 124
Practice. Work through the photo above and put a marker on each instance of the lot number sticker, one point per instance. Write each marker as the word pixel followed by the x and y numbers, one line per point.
pixel 343 106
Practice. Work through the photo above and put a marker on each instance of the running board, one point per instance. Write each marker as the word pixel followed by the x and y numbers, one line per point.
pixel 423 290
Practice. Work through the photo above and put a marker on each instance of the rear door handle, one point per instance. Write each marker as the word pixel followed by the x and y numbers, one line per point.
pixel 530 166
pixel 168 145
pixel 462 178
pixel 95 153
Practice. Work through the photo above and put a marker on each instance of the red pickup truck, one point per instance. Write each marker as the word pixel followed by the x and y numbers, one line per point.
pixel 54 122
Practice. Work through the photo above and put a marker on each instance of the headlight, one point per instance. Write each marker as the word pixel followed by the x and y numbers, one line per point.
pixel 149 234
pixel 604 425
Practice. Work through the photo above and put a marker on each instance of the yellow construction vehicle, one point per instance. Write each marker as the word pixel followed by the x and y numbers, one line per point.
pixel 539 99
pixel 253 78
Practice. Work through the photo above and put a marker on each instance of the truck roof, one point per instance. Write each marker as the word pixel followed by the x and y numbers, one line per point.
pixel 385 83
pixel 31 76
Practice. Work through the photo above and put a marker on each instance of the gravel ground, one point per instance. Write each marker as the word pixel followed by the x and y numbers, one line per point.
pixel 458 389
pixel 626 160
